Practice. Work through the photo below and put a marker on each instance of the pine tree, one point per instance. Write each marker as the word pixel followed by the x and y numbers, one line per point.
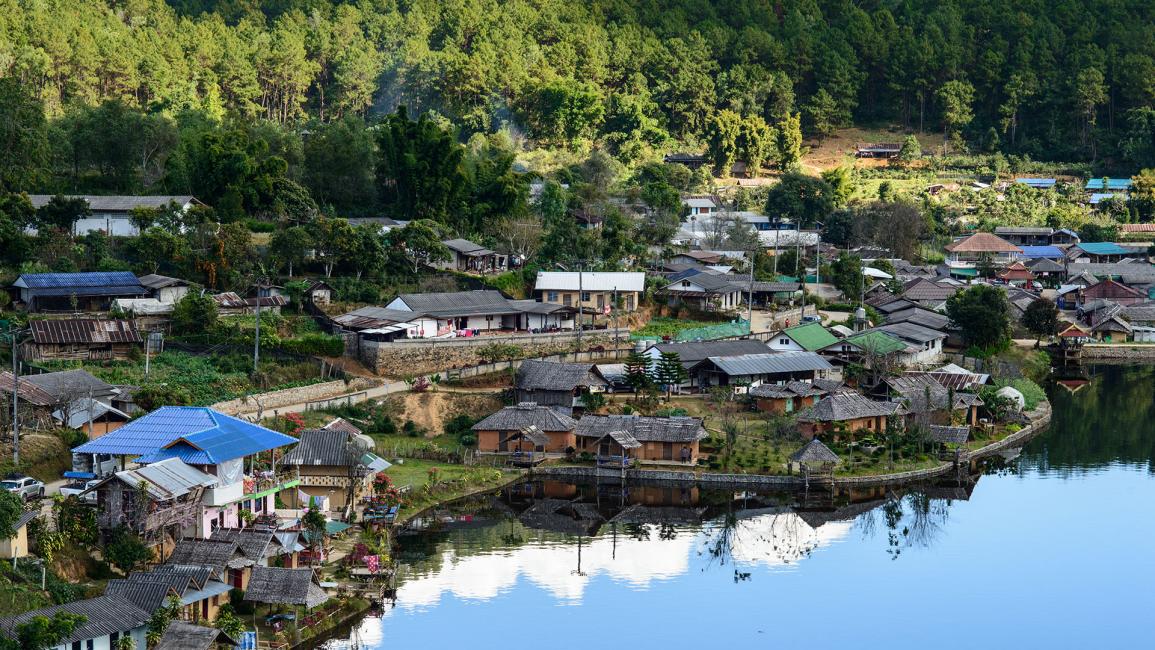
pixel 669 372
pixel 638 368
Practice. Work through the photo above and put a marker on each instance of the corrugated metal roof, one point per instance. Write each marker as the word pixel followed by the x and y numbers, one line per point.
pixel 325 447
pixel 218 436
pixel 155 281
pixel 1112 184
pixel 83 331
pixel 590 281
pixel 458 303
pixel 116 203
pixel 466 247
pixel 811 336
pixel 117 283
pixel 909 331
pixel 167 479
pixel 770 363
pixel 1104 248
pixel 104 614
pixel 1036 252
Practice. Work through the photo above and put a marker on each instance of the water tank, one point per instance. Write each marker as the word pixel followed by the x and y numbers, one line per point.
pixel 362 443
pixel 1013 395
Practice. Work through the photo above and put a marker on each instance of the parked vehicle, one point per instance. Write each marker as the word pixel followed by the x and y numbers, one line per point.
pixel 76 487
pixel 25 487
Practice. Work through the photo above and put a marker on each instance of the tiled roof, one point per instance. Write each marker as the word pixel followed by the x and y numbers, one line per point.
pixel 278 586
pixel 534 374
pixel 848 406
pixel 912 332
pixel 814 452
pixel 789 389
pixel 526 414
pixel 983 242
pixel 925 290
pixel 84 331
pixel 811 336
pixel 185 636
pixel 1111 289
pixel 643 428
pixel 70 384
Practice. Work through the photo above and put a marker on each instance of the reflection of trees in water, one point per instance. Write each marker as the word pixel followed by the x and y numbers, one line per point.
pixel 783 537
pixel 912 520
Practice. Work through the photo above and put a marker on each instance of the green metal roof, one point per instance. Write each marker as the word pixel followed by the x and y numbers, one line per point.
pixel 811 336
pixel 877 342
pixel 964 271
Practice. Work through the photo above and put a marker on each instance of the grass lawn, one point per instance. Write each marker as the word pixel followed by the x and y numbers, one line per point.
pixel 666 326
pixel 453 481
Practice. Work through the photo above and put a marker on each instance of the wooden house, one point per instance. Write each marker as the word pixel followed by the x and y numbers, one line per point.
pixel 108 619
pixel 468 257
pixel 594 290
pixel 1114 291
pixel 847 412
pixel 164 289
pixel 662 439
pixel 319 293
pixel 158 502
pixel 501 432
pixel 755 369
pixel 81 339
pixel 792 396
pixel 334 463
pixel 557 385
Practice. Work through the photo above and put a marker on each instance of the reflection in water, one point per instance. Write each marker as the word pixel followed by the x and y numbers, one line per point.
pixel 542 550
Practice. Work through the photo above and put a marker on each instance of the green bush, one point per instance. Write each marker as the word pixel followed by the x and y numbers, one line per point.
pixel 260 226
pixel 320 345
pixel 1033 394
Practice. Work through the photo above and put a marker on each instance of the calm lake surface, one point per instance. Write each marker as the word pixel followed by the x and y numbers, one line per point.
pixel 1054 548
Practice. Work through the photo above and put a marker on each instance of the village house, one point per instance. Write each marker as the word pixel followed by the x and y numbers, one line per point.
pixel 199 590
pixel 792 396
pixel 334 464
pixel 557 385
pixel 707 292
pixel 691 353
pixel 699 206
pixel 924 345
pixel 808 337
pixel 107 620
pixel 80 339
pixel 662 439
pixel 1037 183
pixel 1111 290
pixel 878 150
pixel 1036 236
pixel 1016 273
pixel 230 303
pixel 112 215
pixel 495 432
pixel 464 313
pixel 919 316
pixel 927 400
pixel 765 294
pixel 867 348
pixel 847 412
pixel 16 546
pixel 74 292
pixel 929 294
pixel 964 254
pixel 71 398
pixel 704 258
pixel 1104 252
pixel 186 636
pixel 164 289
pixel 318 293
pixel 594 290
pixel 468 257
pixel 212 443
pixel 755 369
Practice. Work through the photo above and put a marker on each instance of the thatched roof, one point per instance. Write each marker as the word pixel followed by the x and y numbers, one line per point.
pixel 954 435
pixel 814 452
pixel 186 636
pixel 623 438
pixel 276 586
pixel 534 435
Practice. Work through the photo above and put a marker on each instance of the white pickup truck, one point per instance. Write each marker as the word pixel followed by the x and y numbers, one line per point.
pixel 76 487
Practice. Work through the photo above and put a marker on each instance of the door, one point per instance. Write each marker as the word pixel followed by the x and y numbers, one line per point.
pixel 667 451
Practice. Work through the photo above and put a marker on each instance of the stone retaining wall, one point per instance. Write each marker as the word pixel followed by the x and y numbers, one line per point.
pixel 1040 418
pixel 1119 351
pixel 419 357
pixel 280 398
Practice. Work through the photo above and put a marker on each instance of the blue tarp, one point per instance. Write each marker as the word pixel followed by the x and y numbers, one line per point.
pixel 195 434
pixel 88 475
pixel 1038 183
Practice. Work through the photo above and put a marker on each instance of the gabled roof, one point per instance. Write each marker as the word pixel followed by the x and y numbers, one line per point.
pixel 145 594
pixel 789 389
pixel 643 428
pixel 371 317
pixel 458 303
pixel 923 290
pixel 185 636
pixel 1111 289
pixel 624 439
pixel 770 363
pixel 114 283
pixel 1044 265
pixel 692 353
pixel 919 316
pixel 70 384
pixel 912 332
pixel 29 392
pixel 875 342
pixel 535 374
pixel 947 434
pixel 341 424
pixel 709 283
pixel 811 336
pixel 466 247
pixel 121 203
pixel 1016 271
pixel 82 410
pixel 322 447
pixel 590 281
pixel 84 331
pixel 1043 252
pixel 526 414
pixel 982 242
pixel 104 614
pixel 278 586
pixel 197 435
pixel 251 542
pixel 204 552
pixel 848 406
pixel 1105 248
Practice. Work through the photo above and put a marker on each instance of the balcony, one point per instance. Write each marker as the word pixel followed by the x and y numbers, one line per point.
pixel 250 487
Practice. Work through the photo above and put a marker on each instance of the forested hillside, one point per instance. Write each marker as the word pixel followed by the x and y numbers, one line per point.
pixel 260 108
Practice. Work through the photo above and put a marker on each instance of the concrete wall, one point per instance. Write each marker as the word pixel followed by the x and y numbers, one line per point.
pixel 1121 352
pixel 415 357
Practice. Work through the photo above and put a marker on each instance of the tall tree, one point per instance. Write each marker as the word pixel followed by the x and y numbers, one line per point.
pixel 788 141
pixel 725 128
pixel 420 172
pixel 982 315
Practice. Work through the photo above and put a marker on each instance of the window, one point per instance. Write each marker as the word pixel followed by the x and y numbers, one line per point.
pixel 75 645
pixel 112 639
pixel 89 643
pixel 551 296
pixel 585 296
pixel 783 341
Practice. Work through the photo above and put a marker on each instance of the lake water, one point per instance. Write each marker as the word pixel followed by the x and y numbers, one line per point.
pixel 1052 549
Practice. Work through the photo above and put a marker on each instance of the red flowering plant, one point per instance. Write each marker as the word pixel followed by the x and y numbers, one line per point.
pixel 294 424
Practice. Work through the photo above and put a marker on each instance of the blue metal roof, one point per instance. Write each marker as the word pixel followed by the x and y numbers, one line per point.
pixel 1103 248
pixel 1037 252
pixel 1040 183
pixel 197 435
pixel 1099 197
pixel 1112 184
pixel 81 284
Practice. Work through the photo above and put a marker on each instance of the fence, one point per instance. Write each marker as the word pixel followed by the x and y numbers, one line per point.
pixel 340 400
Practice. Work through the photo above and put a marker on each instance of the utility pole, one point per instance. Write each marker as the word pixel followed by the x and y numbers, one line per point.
pixel 581 308
pixel 750 293
pixel 15 398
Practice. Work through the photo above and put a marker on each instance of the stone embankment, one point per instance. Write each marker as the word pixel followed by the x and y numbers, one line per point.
pixel 288 396
pixel 1040 418
pixel 1118 352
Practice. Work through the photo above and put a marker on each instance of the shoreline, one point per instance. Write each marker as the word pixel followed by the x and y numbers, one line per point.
pixel 1040 418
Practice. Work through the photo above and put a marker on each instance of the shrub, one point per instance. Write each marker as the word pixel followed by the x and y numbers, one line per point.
pixel 411 429
pixel 1033 394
